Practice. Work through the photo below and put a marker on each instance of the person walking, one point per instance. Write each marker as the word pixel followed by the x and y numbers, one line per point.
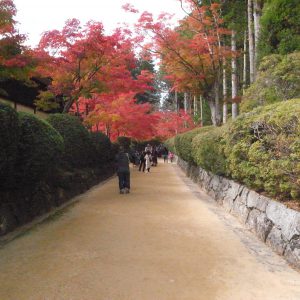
pixel 148 161
pixel 154 157
pixel 171 157
pixel 165 154
pixel 123 171
pixel 148 148
pixel 142 162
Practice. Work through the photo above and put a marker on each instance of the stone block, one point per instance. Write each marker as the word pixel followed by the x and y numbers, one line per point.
pixel 194 173
pixel 214 187
pixel 292 252
pixel 242 194
pixel 254 200
pixel 206 181
pixel 263 226
pixel 276 241
pixel 251 223
pixel 240 210
pixel 286 219
pixel 233 190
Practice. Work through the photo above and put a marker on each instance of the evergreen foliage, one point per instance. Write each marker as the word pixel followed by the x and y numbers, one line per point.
pixel 261 149
pixel 207 150
pixel 9 138
pixel 278 80
pixel 280 27
pixel 78 146
pixel 39 150
pixel 170 144
pixel 183 142
pixel 102 148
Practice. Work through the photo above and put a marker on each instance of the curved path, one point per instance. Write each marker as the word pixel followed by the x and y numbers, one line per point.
pixel 164 241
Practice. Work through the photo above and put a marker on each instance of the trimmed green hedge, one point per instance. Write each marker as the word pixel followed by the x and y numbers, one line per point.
pixel 278 79
pixel 263 149
pixel 260 149
pixel 9 138
pixel 41 168
pixel 207 150
pixel 78 146
pixel 102 147
pixel 183 142
pixel 170 144
pixel 39 149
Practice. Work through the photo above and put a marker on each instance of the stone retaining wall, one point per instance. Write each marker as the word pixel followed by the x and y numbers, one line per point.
pixel 272 222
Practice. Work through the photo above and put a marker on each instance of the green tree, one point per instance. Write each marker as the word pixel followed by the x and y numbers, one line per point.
pixel 278 80
pixel 280 27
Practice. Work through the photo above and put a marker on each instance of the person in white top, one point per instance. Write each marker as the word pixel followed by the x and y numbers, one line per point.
pixel 148 161
pixel 148 148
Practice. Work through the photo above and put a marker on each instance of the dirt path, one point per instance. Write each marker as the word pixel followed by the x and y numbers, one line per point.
pixel 161 242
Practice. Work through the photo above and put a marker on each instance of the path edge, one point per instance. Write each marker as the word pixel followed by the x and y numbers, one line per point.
pixel 272 222
pixel 19 231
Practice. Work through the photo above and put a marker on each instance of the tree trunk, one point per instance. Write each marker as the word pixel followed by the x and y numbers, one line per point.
pixel 68 106
pixel 190 103
pixel 185 102
pixel 225 109
pixel 234 76
pixel 245 64
pixel 251 41
pixel 195 106
pixel 77 109
pixel 201 110
pixel 214 105
pixel 214 112
pixel 176 101
pixel 256 15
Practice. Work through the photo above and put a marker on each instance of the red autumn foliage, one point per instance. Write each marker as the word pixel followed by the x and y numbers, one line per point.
pixel 13 54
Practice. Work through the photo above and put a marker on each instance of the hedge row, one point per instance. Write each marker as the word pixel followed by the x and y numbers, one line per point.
pixel 81 148
pixel 38 158
pixel 183 142
pixel 32 148
pixel 170 144
pixel 261 149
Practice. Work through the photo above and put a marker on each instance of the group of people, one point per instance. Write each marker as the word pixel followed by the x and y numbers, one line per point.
pixel 168 156
pixel 144 160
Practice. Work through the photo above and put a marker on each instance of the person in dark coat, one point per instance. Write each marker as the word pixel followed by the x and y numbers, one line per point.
pixel 123 171
pixel 142 162
pixel 165 153
pixel 154 157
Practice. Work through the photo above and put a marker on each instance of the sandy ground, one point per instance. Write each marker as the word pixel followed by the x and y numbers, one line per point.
pixel 165 240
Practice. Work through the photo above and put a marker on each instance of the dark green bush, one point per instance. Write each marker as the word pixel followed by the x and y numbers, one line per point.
pixel 183 142
pixel 207 150
pixel 9 138
pixel 170 144
pixel 102 147
pixel 263 149
pixel 124 142
pixel 39 150
pixel 78 146
pixel 278 80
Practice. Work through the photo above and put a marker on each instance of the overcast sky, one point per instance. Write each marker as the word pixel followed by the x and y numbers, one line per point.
pixel 37 16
